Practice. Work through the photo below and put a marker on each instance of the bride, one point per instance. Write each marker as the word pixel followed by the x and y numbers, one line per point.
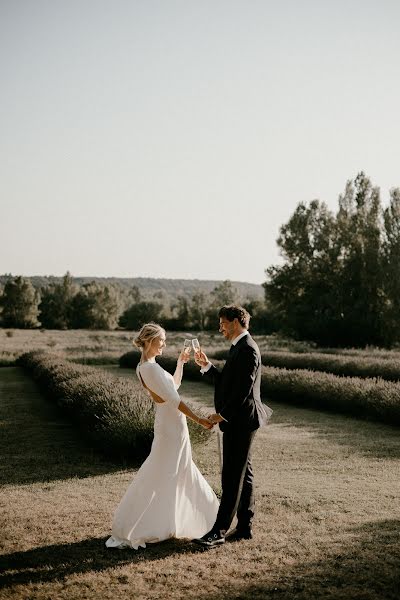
pixel 168 497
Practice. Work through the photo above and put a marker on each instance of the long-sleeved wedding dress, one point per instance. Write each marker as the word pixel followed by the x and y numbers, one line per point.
pixel 168 496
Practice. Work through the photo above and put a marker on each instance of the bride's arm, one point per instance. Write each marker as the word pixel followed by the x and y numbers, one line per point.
pixel 157 382
pixel 189 413
pixel 182 359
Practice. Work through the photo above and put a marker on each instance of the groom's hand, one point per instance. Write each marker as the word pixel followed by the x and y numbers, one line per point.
pixel 201 359
pixel 215 418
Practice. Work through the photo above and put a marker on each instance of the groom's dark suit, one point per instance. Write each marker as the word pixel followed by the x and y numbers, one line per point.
pixel 237 399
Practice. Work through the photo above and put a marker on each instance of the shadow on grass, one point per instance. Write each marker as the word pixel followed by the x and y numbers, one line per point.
pixel 59 561
pixel 37 442
pixel 367 568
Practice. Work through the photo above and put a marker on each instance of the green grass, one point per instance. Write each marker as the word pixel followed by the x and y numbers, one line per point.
pixel 327 524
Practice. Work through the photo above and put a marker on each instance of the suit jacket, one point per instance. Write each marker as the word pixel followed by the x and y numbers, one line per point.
pixel 237 388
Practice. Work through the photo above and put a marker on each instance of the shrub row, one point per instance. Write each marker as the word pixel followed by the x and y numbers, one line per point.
pixel 348 366
pixel 7 359
pixel 116 414
pixel 374 399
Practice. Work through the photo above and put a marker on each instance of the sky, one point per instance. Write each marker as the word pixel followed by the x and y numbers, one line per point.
pixel 174 138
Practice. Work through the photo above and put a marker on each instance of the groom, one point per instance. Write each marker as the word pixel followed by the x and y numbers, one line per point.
pixel 239 413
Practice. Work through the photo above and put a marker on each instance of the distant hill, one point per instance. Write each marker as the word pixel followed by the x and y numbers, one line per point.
pixel 156 288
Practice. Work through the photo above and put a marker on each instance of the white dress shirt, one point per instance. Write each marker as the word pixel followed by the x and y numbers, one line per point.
pixel 234 342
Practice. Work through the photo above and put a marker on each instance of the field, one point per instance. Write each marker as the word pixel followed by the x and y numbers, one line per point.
pixel 105 347
pixel 82 345
pixel 328 490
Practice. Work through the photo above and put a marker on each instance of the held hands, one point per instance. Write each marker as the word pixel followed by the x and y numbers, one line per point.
pixel 215 418
pixel 206 423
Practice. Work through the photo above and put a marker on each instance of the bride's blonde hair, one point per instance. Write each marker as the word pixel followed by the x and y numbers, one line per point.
pixel 148 333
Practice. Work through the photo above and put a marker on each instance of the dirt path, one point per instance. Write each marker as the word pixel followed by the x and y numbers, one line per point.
pixel 327 525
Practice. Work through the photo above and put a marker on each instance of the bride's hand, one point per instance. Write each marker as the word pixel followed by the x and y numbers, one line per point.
pixel 206 423
pixel 183 357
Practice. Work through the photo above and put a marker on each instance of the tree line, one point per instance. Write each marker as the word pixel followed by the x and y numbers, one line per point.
pixel 339 284
pixel 93 305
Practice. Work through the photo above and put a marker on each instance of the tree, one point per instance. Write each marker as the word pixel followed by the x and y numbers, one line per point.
pixel 360 279
pixel 224 293
pixel 262 319
pixel 134 294
pixel 140 313
pixel 391 268
pixel 198 310
pixel 301 292
pixel 95 307
pixel 20 304
pixel 55 307
pixel 330 287
pixel 181 317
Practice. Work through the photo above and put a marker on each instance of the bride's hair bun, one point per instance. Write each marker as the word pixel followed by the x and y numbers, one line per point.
pixel 147 334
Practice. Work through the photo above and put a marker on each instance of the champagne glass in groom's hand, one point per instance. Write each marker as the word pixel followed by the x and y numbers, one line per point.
pixel 196 345
pixel 201 358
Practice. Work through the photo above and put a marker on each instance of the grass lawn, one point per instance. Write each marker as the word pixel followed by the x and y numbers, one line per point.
pixel 87 345
pixel 327 526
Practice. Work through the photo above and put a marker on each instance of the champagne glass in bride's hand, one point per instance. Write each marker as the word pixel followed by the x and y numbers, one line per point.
pixel 187 347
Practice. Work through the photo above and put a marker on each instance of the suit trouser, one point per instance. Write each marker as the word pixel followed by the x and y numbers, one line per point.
pixel 237 480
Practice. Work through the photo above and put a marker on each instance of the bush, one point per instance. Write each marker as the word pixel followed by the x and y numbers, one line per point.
pixel 7 359
pixel 349 366
pixel 375 399
pixel 117 414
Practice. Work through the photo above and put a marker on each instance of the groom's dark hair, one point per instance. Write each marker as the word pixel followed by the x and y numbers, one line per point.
pixel 231 311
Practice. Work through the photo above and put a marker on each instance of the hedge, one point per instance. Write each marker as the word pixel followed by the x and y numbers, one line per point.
pixel 349 366
pixel 116 414
pixel 374 399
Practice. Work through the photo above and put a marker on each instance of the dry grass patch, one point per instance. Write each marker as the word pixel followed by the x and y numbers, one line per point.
pixel 327 524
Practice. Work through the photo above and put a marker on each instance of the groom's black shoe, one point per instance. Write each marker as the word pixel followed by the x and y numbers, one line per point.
pixel 240 534
pixel 211 539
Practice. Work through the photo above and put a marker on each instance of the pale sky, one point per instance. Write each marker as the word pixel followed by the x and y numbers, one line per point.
pixel 173 138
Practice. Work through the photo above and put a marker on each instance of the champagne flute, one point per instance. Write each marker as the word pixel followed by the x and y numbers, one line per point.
pixel 196 345
pixel 187 346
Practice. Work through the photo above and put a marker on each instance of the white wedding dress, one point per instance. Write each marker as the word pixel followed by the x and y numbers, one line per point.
pixel 168 497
